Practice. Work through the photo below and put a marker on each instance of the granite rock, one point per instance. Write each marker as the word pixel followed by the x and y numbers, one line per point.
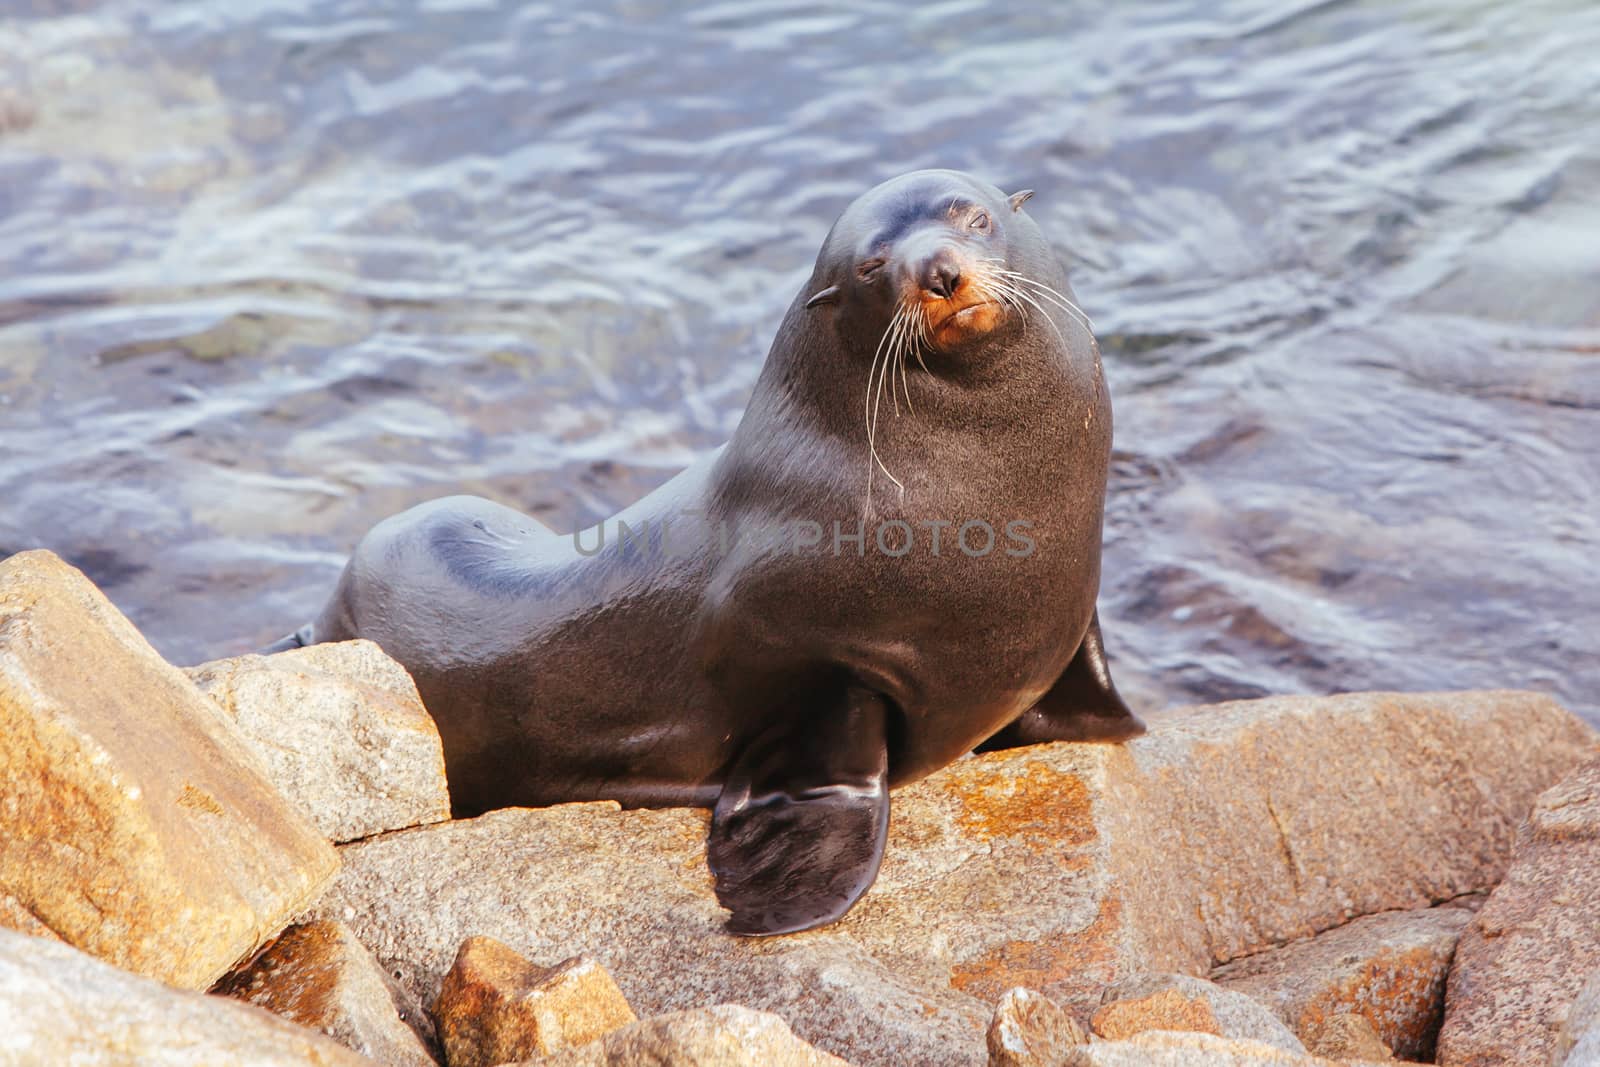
pixel 341 731
pixel 495 1006
pixel 1168 1048
pixel 62 1006
pixel 319 976
pixel 1525 956
pixel 1578 1043
pixel 1030 1030
pixel 722 1036
pixel 1065 868
pixel 1181 1002
pixel 1389 968
pixel 135 823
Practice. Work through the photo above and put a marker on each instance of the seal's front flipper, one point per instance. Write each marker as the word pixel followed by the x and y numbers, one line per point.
pixel 798 832
pixel 1083 705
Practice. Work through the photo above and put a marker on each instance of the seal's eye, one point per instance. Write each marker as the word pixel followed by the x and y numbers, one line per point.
pixel 980 222
pixel 870 267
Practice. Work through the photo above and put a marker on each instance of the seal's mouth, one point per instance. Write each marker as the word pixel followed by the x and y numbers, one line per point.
pixel 950 320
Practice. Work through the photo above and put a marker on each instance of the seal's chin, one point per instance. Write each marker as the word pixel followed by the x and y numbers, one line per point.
pixel 953 321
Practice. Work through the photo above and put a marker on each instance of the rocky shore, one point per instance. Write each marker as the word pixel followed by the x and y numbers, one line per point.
pixel 252 862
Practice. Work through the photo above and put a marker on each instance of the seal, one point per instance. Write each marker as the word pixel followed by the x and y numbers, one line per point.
pixel 894 561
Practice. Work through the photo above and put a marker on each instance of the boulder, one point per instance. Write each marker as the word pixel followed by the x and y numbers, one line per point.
pixel 1388 968
pixel 1524 957
pixel 1348 1037
pixel 135 824
pixel 1168 1048
pixel 319 976
pixel 1064 868
pixel 1179 1002
pixel 342 733
pixel 1578 1043
pixel 61 1006
pixel 722 1036
pixel 495 1006
pixel 1031 1030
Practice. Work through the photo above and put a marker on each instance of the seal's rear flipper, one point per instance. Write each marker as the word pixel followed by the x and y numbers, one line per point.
pixel 798 832
pixel 1083 705
pixel 299 639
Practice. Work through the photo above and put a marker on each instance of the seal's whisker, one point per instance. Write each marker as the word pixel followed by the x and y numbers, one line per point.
pixel 871 411
pixel 1051 294
pixel 1055 296
pixel 921 317
pixel 911 339
pixel 1018 293
pixel 1002 291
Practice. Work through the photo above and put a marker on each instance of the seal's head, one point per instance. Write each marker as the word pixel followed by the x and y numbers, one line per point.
pixel 932 261
pixel 936 280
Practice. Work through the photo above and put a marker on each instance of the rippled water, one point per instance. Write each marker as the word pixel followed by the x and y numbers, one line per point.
pixel 270 271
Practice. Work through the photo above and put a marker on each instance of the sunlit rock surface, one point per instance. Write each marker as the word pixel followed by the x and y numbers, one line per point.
pixel 134 823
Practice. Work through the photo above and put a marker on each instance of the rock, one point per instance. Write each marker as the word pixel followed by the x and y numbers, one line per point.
pixel 1065 868
pixel 630 889
pixel 722 1036
pixel 1578 1044
pixel 1031 1030
pixel 135 824
pixel 61 1006
pixel 1167 1048
pixel 1389 968
pixel 342 733
pixel 1347 1037
pixel 1214 836
pixel 1525 955
pixel 319 976
pixel 13 916
pixel 495 1006
pixel 1179 1002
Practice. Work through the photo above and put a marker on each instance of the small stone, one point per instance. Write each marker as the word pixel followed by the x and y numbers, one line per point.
pixel 1389 968
pixel 495 1006
pixel 1523 959
pixel 320 976
pixel 1179 1002
pixel 342 733
pixel 1031 1030
pixel 723 1036
pixel 135 824
pixel 1347 1037
pixel 62 1006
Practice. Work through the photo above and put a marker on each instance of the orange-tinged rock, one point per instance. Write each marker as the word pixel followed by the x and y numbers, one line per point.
pixel 319 976
pixel 725 1035
pixel 1031 1030
pixel 1524 958
pixel 495 1006
pixel 1065 868
pixel 1348 1037
pixel 134 824
pixel 1181 1002
pixel 1389 969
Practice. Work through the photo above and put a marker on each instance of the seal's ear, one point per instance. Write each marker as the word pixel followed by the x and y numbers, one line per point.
pixel 830 295
pixel 1018 199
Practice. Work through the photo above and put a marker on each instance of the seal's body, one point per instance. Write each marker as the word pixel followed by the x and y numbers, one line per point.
pixel 855 591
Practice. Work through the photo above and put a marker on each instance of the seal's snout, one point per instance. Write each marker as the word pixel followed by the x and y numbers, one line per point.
pixel 941 273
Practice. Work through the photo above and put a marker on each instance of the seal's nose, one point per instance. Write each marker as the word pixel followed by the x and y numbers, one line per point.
pixel 941 274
